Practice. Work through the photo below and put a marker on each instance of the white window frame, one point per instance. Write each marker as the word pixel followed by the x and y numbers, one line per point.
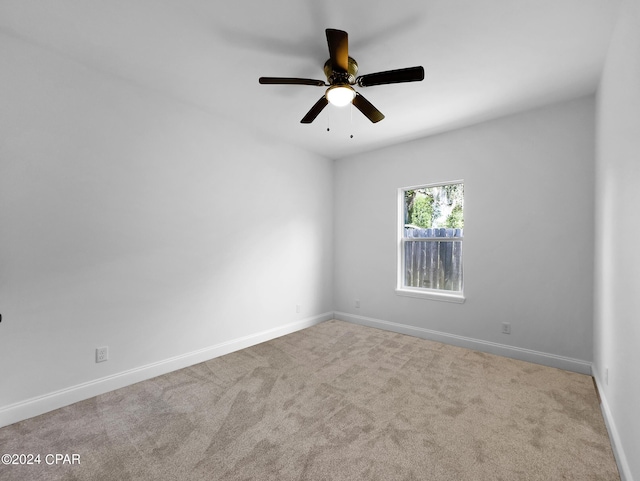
pixel 422 292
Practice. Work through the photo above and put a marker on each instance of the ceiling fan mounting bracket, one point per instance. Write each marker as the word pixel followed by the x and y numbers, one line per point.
pixel 338 77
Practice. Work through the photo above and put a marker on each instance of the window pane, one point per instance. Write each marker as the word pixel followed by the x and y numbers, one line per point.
pixel 435 207
pixel 433 264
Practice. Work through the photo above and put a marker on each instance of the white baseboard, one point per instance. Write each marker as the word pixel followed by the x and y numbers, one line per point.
pixel 39 405
pixel 616 444
pixel 552 360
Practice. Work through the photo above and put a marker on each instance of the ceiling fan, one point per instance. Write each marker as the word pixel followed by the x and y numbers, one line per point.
pixel 341 71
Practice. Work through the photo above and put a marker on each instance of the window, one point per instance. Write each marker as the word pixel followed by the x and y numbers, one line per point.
pixel 430 235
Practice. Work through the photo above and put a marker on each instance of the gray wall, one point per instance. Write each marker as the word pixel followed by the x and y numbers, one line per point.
pixel 143 224
pixel 617 314
pixel 528 249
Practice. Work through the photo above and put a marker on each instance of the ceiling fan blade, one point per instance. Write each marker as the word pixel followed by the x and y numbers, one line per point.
pixel 367 108
pixel 291 81
pixel 315 110
pixel 411 74
pixel 338 42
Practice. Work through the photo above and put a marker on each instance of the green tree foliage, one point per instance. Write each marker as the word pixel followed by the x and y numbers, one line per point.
pixel 455 219
pixel 409 198
pixel 454 194
pixel 422 214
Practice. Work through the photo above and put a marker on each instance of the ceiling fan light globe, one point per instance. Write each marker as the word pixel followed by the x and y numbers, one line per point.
pixel 340 95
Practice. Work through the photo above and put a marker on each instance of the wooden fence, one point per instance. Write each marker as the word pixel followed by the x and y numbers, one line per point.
pixel 433 258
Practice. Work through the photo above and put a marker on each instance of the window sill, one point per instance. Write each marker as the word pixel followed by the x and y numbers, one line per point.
pixel 456 297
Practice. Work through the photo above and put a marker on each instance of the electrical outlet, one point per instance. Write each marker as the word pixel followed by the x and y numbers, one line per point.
pixel 102 354
pixel 357 303
pixel 506 328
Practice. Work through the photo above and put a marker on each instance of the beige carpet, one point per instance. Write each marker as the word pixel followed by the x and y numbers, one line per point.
pixel 333 402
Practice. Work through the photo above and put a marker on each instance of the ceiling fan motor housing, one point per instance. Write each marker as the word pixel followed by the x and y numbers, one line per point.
pixel 339 77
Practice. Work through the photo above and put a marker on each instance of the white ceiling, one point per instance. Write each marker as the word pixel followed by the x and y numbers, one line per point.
pixel 482 58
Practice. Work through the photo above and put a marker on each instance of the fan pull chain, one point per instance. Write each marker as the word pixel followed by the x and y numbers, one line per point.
pixel 351 119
